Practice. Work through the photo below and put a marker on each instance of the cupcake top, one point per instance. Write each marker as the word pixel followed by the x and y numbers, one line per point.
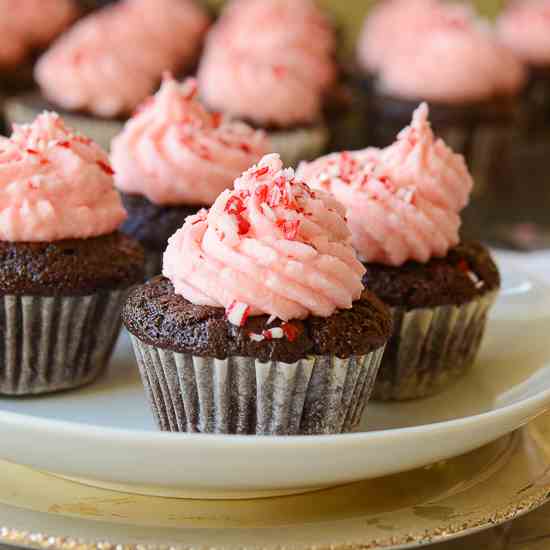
pixel 174 152
pixel 31 24
pixel 394 24
pixel 282 79
pixel 443 54
pixel 270 246
pixel 96 68
pixel 55 185
pixel 525 28
pixel 403 202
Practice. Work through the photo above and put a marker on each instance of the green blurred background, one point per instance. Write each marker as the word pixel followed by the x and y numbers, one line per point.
pixel 351 13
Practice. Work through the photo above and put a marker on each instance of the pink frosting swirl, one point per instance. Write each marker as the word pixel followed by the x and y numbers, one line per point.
pixel 403 201
pixel 271 246
pixel 393 25
pixel 525 28
pixel 29 25
pixel 441 54
pixel 96 68
pixel 282 79
pixel 420 160
pixel 175 152
pixel 55 185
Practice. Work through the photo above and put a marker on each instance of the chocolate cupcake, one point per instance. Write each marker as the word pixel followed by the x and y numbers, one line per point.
pixel 525 28
pixel 403 205
pixel 427 50
pixel 65 270
pixel 94 77
pixel 174 158
pixel 260 324
pixel 25 30
pixel 280 83
pixel 513 212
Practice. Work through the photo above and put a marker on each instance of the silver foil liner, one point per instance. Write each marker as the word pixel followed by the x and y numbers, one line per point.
pixel 56 343
pixel 240 395
pixel 299 144
pixel 20 110
pixel 431 348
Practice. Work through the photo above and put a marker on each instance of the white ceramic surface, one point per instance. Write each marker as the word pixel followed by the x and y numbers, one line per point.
pixel 104 433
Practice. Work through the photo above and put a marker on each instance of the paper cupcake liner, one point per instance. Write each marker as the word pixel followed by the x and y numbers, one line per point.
pixel 299 144
pixel 431 348
pixel 240 395
pixel 24 109
pixel 56 343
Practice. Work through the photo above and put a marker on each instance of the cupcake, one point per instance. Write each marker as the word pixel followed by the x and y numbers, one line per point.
pixel 428 50
pixel 260 324
pixel 525 28
pixel 271 63
pixel 403 206
pixel 95 76
pixel 174 158
pixel 25 29
pixel 65 269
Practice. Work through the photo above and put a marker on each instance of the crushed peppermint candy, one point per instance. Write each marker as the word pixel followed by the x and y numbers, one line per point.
pixel 271 320
pixel 237 313
pixel 286 330
pixel 275 333
pixel 465 268
pixel 406 194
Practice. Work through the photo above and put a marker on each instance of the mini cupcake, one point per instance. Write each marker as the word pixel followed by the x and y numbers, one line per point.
pixel 402 207
pixel 525 28
pixel 260 324
pixel 427 50
pixel 95 75
pixel 271 63
pixel 25 29
pixel 172 159
pixel 64 268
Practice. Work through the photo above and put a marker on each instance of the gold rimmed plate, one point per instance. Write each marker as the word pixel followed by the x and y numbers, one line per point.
pixel 476 491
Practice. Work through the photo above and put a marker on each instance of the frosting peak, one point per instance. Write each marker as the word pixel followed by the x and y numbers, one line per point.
pixel 94 67
pixel 418 159
pixel 55 185
pixel 403 202
pixel 291 63
pixel 525 28
pixel 173 151
pixel 270 246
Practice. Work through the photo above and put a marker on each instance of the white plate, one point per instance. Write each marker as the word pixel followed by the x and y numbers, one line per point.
pixel 104 434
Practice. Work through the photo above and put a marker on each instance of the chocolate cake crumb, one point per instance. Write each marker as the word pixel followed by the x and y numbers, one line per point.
pixel 467 272
pixel 160 317
pixel 75 267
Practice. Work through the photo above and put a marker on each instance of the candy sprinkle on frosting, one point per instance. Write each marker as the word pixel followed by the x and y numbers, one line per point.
pixel 403 202
pixel 173 151
pixel 55 184
pixel 269 246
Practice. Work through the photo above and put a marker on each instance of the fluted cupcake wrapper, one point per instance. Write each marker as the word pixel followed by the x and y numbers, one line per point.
pixel 240 395
pixel 430 348
pixel 56 343
pixel 24 109
pixel 299 144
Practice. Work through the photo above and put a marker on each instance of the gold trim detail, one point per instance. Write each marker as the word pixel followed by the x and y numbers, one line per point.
pixel 454 530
